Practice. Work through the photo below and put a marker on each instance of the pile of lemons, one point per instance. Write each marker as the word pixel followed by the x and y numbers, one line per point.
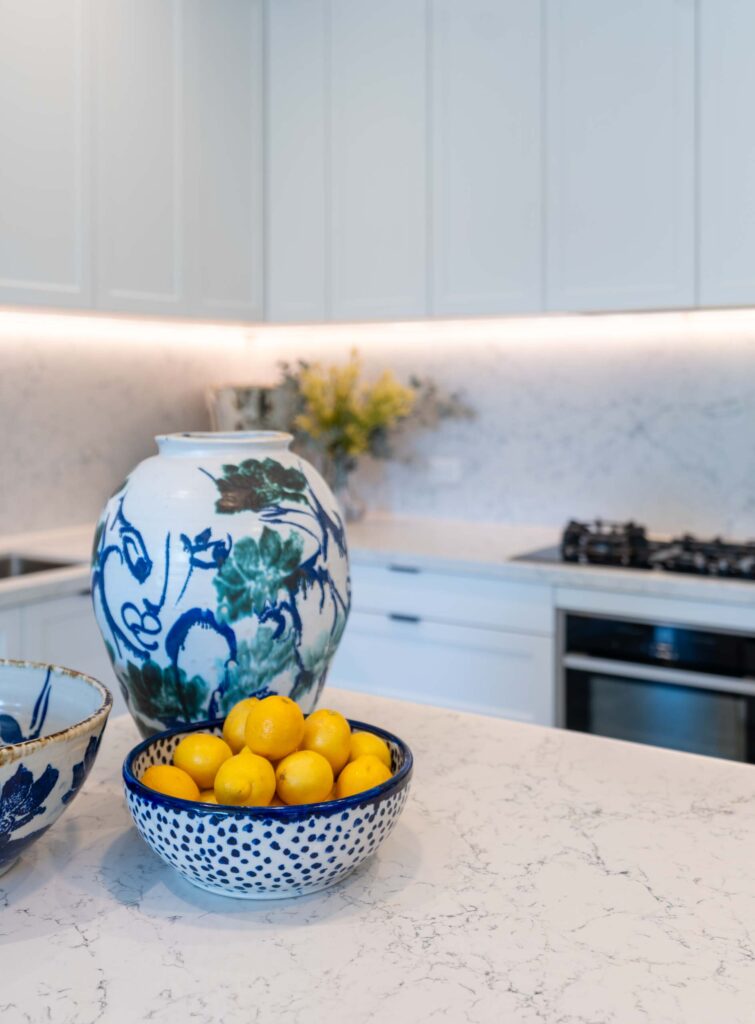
pixel 270 755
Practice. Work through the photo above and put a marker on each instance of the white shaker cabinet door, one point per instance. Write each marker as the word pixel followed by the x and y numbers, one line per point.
pixel 297 277
pixel 727 152
pixel 63 631
pixel 486 156
pixel 140 198
pixel 377 193
pixel 620 151
pixel 222 157
pixel 44 153
pixel 10 633
pixel 481 670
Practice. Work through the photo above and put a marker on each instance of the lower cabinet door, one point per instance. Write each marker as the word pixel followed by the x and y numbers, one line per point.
pixel 482 670
pixel 63 631
pixel 10 633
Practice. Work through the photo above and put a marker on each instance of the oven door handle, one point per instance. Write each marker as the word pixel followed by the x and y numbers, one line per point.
pixel 660 674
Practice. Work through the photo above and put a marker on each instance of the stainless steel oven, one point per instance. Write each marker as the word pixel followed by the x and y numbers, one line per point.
pixel 671 686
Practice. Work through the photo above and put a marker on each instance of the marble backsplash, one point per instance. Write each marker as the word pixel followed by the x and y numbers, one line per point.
pixel 648 416
pixel 81 400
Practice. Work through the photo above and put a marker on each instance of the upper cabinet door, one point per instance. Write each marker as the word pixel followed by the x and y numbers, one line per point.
pixel 620 154
pixel 297 271
pixel 727 153
pixel 378 167
pixel 44 155
pixel 222 157
pixel 486 167
pixel 138 85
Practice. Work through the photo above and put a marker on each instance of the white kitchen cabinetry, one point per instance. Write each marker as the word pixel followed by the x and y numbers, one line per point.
pixel 222 158
pixel 178 157
pixel 62 631
pixel 620 145
pixel 486 156
pixel 10 633
pixel 727 153
pixel 378 192
pixel 483 670
pixel 347 159
pixel 297 157
pixel 458 640
pixel 138 91
pixel 44 153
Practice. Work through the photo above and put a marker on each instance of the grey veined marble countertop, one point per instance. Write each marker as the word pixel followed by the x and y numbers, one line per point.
pixel 535 876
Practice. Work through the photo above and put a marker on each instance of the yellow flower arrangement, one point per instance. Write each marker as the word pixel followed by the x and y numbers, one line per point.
pixel 344 412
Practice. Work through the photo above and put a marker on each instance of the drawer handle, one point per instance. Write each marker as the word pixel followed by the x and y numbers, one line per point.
pixel 404 568
pixel 401 617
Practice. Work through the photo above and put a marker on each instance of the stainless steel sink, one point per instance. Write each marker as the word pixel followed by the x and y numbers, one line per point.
pixel 19 565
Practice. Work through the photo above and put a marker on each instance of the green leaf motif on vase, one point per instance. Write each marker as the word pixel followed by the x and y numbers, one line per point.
pixel 256 484
pixel 259 662
pixel 253 575
pixel 164 694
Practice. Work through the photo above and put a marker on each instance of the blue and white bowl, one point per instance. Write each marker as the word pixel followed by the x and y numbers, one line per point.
pixel 263 852
pixel 51 724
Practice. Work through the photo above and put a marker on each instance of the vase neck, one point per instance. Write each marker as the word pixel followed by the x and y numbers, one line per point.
pixel 236 444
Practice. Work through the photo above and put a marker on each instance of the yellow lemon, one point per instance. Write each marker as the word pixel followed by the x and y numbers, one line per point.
pixel 172 781
pixel 304 777
pixel 200 755
pixel 207 796
pixel 364 773
pixel 245 780
pixel 235 723
pixel 328 733
pixel 274 727
pixel 367 743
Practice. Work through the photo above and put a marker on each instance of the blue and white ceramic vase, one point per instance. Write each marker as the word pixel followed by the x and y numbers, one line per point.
pixel 220 571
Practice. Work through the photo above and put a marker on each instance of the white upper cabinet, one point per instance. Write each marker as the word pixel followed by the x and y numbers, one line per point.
pixel 222 158
pixel 620 153
pixel 377 196
pixel 486 156
pixel 310 160
pixel 727 153
pixel 178 157
pixel 297 271
pixel 44 154
pixel 138 88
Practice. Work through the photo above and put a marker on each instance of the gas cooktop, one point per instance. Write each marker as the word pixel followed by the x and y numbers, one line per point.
pixel 628 546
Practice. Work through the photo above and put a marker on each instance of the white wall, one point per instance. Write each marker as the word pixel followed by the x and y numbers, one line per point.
pixel 650 415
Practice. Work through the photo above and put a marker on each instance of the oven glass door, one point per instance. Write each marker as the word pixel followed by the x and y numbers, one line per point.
pixel 693 719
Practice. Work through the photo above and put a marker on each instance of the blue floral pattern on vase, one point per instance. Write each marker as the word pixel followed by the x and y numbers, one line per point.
pixel 216 580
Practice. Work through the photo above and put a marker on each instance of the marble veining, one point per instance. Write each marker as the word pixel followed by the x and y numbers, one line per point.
pixel 645 415
pixel 535 876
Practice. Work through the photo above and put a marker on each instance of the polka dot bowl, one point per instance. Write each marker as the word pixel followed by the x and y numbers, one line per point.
pixel 263 852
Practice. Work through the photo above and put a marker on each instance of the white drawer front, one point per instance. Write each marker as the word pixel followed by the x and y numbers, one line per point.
pixel 482 670
pixel 443 597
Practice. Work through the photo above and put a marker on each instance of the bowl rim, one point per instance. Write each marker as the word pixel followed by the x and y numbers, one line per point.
pixel 10 752
pixel 286 813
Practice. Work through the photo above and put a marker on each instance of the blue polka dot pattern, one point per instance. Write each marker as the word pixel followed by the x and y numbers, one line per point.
pixel 263 852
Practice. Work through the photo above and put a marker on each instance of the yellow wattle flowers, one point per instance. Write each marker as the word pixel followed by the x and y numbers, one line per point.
pixel 345 410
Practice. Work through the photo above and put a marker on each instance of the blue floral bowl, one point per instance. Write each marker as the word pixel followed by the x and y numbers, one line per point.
pixel 51 723
pixel 263 852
